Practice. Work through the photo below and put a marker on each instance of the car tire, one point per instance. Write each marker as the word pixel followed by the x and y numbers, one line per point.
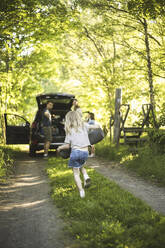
pixel 32 151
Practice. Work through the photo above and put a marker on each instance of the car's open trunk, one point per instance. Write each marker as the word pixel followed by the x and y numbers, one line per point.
pixel 61 105
pixel 58 132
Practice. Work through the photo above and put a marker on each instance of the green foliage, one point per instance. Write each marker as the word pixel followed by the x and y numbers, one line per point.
pixel 148 161
pixel 148 164
pixel 108 216
pixel 24 26
pixel 157 140
pixel 107 150
pixel 84 47
pixel 147 8
pixel 162 116
pixel 6 162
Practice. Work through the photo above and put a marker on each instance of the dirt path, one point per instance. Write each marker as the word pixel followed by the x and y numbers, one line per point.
pixel 153 195
pixel 28 218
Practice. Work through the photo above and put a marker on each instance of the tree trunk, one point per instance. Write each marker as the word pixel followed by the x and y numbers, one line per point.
pixel 150 74
pixel 4 102
pixel 116 134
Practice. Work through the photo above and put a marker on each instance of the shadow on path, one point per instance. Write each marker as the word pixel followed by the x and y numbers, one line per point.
pixel 28 218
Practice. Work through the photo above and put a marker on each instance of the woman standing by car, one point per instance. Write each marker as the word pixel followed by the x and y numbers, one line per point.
pixel 91 121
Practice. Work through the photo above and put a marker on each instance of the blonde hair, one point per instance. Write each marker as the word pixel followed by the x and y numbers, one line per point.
pixel 73 119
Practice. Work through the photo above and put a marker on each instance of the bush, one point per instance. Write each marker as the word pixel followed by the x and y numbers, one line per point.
pixel 157 140
pixel 162 116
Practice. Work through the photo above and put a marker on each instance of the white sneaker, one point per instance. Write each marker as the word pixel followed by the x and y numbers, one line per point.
pixel 45 155
pixel 92 155
pixel 82 193
pixel 87 183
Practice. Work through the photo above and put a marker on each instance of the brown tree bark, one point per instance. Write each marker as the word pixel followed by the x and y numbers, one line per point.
pixel 116 133
pixel 149 65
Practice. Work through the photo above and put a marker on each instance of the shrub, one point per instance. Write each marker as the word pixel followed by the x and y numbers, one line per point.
pixel 6 162
pixel 157 140
pixel 162 116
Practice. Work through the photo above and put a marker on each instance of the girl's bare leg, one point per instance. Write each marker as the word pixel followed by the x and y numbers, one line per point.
pixel 76 173
pixel 87 180
pixel 84 172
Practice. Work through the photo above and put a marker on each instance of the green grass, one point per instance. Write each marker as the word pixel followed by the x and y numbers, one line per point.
pixel 108 217
pixel 7 155
pixel 148 165
pixel 109 151
pixel 147 162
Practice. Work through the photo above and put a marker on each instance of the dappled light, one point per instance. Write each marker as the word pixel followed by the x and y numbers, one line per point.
pixel 22 205
pixel 27 216
pixel 109 215
pixel 22 181
pixel 95 49
pixel 109 55
pixel 59 173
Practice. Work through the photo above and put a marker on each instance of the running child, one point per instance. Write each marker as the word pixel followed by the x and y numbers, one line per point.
pixel 77 138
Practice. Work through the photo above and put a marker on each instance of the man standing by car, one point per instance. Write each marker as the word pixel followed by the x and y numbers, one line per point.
pixel 47 127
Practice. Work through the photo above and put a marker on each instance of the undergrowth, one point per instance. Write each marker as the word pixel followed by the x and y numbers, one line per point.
pixel 7 155
pixel 108 151
pixel 148 165
pixel 108 217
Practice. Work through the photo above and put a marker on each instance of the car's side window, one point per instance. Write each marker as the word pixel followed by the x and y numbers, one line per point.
pixel 14 120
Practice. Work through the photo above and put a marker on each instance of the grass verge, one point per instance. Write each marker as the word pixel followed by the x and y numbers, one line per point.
pixel 108 151
pixel 147 163
pixel 7 155
pixel 108 217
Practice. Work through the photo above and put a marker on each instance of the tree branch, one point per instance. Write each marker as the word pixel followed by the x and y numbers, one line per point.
pixel 93 41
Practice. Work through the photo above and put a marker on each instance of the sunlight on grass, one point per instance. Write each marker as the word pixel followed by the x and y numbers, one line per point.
pixel 128 157
pixel 147 161
pixel 109 151
pixel 62 191
pixel 55 173
pixel 108 216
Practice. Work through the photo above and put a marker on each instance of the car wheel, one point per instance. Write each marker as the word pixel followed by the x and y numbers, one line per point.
pixel 32 151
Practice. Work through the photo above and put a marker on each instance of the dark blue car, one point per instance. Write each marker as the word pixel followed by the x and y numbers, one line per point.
pixel 19 130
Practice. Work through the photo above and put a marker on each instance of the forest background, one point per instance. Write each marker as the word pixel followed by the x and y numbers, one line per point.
pixel 84 47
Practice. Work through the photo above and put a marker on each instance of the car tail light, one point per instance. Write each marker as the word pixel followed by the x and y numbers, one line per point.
pixel 34 142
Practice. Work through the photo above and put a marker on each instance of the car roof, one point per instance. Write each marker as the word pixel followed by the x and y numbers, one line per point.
pixel 55 95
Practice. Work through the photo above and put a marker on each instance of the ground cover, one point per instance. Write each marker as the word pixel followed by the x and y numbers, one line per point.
pixel 146 162
pixel 148 165
pixel 7 155
pixel 108 216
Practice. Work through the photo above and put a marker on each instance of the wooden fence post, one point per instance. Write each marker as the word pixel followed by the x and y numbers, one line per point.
pixel 116 133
